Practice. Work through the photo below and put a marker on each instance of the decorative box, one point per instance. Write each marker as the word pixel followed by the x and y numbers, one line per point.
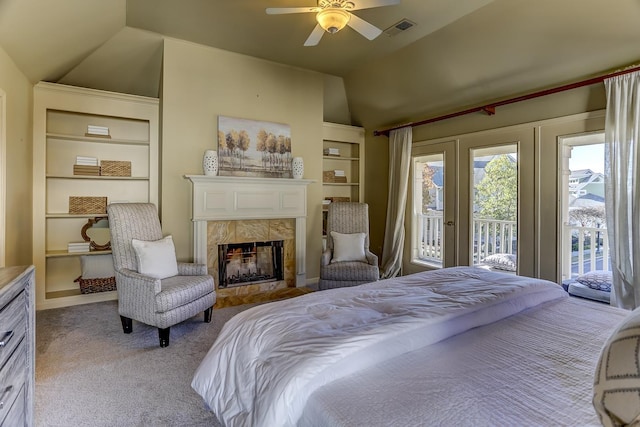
pixel 87 205
pixel 115 168
pixel 86 170
pixel 330 176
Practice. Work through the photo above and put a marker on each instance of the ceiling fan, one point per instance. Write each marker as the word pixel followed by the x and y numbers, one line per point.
pixel 334 15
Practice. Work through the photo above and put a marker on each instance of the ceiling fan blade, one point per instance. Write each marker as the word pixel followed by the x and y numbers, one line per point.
pixel 368 4
pixel 315 36
pixel 283 10
pixel 363 27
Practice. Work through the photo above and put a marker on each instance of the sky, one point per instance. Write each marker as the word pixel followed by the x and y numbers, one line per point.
pixel 587 157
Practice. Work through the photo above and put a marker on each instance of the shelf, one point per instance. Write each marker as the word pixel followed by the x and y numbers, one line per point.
pixel 103 177
pixel 98 296
pixel 78 216
pixel 62 116
pixel 353 159
pixel 63 253
pixel 96 139
pixel 341 184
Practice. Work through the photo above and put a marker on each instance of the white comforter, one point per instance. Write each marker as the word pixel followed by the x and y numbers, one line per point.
pixel 268 360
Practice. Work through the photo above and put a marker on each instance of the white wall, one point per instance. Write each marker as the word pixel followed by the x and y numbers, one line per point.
pixel 199 84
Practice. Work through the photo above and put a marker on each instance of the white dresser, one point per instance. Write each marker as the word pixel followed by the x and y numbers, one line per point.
pixel 17 346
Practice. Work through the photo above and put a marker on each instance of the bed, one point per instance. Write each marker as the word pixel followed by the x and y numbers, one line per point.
pixel 457 346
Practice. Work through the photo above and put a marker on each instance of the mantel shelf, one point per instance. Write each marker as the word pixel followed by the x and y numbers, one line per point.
pixel 247 180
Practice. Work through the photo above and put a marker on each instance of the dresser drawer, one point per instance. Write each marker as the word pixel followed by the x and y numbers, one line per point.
pixel 13 326
pixel 12 379
pixel 16 415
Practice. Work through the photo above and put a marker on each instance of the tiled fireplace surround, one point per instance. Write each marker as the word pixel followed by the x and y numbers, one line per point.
pixel 243 209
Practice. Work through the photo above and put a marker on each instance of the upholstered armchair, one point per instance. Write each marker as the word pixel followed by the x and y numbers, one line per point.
pixel 153 288
pixel 347 260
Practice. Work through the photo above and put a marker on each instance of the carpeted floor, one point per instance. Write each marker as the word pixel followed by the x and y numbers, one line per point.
pixel 89 373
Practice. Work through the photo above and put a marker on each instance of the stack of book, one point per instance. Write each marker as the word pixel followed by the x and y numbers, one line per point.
pixel 340 176
pixel 86 166
pixel 75 247
pixel 331 152
pixel 101 131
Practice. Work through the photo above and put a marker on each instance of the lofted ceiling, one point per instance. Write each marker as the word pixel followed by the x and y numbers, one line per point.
pixel 458 53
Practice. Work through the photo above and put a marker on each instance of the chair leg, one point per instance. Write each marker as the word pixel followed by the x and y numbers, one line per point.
pixel 164 337
pixel 207 315
pixel 127 324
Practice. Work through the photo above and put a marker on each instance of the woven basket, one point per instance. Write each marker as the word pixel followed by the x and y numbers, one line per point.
pixel 115 168
pixel 87 205
pixel 91 286
pixel 330 176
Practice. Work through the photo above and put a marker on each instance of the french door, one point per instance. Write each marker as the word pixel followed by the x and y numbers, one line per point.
pixel 472 198
pixel 432 212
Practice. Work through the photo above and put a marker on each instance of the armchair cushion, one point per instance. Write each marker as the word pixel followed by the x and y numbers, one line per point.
pixel 157 258
pixel 348 247
pixel 181 290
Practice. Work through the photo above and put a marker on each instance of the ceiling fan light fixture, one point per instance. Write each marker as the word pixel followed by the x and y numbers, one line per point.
pixel 333 20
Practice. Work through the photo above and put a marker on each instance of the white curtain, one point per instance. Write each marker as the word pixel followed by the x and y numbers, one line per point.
pixel 399 164
pixel 622 186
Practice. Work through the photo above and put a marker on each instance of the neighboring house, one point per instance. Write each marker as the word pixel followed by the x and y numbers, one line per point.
pixel 586 181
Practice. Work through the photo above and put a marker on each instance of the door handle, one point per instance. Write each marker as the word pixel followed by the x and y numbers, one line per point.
pixel 450 223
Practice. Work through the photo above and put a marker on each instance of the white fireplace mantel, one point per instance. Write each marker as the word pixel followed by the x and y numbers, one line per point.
pixel 219 198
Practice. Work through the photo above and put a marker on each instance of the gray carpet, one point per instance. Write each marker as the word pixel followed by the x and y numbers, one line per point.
pixel 89 373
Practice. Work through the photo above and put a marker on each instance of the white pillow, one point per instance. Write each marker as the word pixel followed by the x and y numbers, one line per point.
pixel 348 247
pixel 507 262
pixel 156 259
pixel 616 388
pixel 97 266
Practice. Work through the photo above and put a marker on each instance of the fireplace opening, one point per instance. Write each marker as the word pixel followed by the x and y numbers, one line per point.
pixel 246 263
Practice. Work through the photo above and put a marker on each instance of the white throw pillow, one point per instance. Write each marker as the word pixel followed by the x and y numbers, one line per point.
pixel 156 259
pixel 348 247
pixel 507 262
pixel 616 387
pixel 97 266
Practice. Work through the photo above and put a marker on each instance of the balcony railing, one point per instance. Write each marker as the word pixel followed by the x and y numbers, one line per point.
pixel 492 236
pixel 584 249
pixel 489 237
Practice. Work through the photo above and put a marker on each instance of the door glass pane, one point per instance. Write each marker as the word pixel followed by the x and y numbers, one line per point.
pixel 428 209
pixel 585 245
pixel 495 207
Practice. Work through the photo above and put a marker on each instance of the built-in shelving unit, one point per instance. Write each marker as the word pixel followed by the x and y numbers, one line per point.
pixel 349 143
pixel 62 115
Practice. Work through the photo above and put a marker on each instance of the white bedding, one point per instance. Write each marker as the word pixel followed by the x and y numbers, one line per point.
pixel 533 369
pixel 268 360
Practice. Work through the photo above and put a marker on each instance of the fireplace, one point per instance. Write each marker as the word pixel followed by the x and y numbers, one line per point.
pixel 242 264
pixel 239 211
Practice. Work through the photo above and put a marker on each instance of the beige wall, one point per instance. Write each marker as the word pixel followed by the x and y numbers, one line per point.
pixel 200 83
pixel 576 101
pixel 18 92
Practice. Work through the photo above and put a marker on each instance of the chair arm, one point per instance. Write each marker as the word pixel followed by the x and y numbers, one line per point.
pixel 130 279
pixel 191 269
pixel 372 258
pixel 326 257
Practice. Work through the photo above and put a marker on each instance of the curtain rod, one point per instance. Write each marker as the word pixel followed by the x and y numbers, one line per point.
pixel 490 109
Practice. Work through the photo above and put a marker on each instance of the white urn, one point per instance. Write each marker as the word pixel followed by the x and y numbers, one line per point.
pixel 210 162
pixel 297 167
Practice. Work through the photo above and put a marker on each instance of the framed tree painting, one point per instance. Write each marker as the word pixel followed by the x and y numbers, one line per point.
pixel 253 148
